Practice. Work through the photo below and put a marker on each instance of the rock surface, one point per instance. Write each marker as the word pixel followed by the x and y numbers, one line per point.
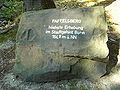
pixel 50 48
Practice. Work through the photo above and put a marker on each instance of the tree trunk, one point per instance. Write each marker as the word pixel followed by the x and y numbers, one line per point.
pixel 30 5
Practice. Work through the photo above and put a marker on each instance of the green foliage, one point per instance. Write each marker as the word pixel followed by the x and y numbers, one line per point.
pixel 109 22
pixel 74 86
pixel 80 0
pixel 83 87
pixel 69 4
pixel 9 13
pixel 15 9
pixel 2 1
pixel 6 36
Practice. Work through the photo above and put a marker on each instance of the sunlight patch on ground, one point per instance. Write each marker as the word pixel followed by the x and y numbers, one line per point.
pixel 114 10
pixel 118 59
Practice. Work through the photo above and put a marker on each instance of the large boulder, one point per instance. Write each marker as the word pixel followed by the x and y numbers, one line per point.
pixel 50 41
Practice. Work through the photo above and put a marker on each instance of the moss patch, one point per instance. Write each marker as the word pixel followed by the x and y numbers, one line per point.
pixel 6 36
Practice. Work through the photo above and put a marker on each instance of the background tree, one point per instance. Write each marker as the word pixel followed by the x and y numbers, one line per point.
pixel 38 4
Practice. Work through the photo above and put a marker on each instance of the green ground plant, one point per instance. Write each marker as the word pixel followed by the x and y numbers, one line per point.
pixel 13 10
pixel 10 35
pixel 74 86
pixel 9 14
